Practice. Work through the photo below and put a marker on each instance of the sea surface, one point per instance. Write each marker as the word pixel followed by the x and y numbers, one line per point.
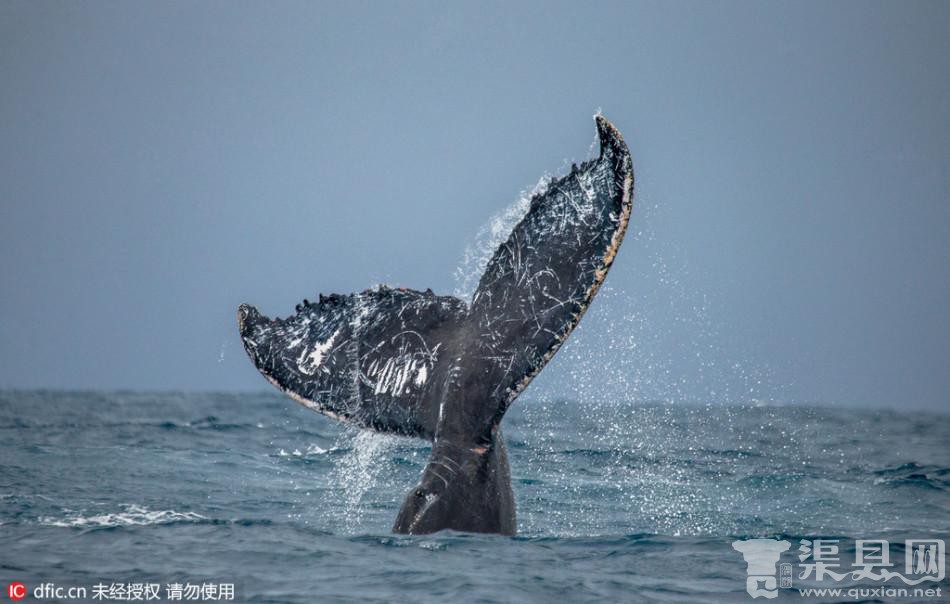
pixel 617 502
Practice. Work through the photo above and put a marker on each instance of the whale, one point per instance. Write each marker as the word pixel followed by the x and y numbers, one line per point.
pixel 414 363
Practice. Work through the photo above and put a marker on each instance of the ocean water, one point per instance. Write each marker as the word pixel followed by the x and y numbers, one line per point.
pixel 617 502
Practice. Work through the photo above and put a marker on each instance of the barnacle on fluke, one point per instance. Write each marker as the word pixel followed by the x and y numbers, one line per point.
pixel 414 363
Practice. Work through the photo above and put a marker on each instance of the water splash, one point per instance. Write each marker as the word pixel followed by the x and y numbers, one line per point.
pixel 489 237
pixel 359 471
pixel 658 343
pixel 224 346
pixel 494 232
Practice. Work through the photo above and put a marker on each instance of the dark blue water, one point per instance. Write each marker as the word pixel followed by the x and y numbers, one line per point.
pixel 616 502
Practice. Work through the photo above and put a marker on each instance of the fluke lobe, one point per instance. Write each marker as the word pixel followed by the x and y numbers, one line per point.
pixel 418 364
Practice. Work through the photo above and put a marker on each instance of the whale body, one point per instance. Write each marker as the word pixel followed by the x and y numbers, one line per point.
pixel 418 364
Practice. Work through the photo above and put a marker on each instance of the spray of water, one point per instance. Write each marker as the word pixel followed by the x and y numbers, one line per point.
pixel 657 343
pixel 488 238
pixel 224 346
pixel 358 472
pixel 493 233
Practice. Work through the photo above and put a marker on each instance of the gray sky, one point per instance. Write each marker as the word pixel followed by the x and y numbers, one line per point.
pixel 161 163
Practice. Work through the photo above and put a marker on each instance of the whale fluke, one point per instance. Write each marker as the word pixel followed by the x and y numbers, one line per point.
pixel 418 364
pixel 367 359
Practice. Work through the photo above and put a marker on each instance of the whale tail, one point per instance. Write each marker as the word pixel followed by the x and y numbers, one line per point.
pixel 417 364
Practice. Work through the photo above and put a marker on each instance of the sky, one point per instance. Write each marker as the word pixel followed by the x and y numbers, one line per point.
pixel 161 163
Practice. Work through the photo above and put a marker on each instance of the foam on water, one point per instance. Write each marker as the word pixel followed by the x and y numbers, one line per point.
pixel 132 515
pixel 311 449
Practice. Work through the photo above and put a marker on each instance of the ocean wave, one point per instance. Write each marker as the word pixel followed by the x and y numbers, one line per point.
pixel 915 475
pixel 310 450
pixel 134 515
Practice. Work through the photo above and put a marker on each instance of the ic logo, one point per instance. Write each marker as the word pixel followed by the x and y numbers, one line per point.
pixel 16 591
